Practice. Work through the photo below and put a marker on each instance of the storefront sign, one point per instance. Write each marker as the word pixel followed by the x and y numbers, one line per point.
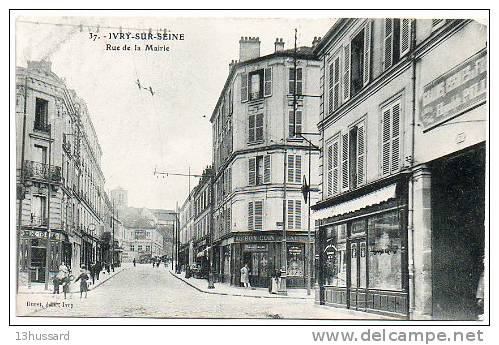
pixel 253 247
pixel 455 92
pixel 41 234
pixel 255 238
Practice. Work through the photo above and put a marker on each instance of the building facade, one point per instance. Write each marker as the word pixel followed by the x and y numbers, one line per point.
pixel 259 162
pixel 59 178
pixel 398 114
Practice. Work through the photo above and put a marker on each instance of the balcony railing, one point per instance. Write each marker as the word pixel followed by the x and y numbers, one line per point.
pixel 41 171
pixel 66 144
pixel 38 220
pixel 42 126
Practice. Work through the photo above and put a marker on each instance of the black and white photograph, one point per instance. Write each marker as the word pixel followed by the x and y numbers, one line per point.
pixel 225 166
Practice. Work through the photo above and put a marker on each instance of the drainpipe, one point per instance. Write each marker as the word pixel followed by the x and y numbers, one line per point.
pixel 410 210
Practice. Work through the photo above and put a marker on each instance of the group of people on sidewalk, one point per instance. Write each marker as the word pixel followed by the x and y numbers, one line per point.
pixel 275 279
pixel 65 278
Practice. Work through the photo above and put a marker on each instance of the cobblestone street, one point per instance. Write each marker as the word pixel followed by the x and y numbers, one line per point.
pixel 144 291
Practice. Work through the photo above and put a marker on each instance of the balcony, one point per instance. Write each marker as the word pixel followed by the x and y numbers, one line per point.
pixel 36 220
pixel 42 126
pixel 66 145
pixel 40 171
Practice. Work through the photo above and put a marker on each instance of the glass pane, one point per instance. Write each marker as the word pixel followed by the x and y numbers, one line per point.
pixel 385 268
pixel 335 259
pixel 353 266
pixel 362 258
pixel 296 260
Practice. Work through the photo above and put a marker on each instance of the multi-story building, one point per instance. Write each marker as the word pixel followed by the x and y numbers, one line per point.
pixel 403 129
pixel 259 160
pixel 60 182
pixel 186 231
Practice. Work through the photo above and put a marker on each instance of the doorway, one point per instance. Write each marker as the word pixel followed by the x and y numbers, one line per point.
pixel 38 261
pixel 358 274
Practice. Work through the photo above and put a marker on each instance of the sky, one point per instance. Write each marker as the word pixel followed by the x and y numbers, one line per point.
pixel 138 132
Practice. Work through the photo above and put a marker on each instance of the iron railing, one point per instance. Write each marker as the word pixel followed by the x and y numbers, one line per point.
pixel 40 171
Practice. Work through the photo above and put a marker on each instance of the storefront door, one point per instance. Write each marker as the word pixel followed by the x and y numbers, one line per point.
pixel 38 261
pixel 358 274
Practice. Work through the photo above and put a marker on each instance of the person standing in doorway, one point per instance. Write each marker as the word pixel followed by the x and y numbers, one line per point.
pixel 245 276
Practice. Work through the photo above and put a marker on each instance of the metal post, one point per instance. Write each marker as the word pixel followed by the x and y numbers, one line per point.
pixel 173 237
pixel 211 278
pixel 284 262
pixel 112 244
pixel 49 185
pixel 309 243
pixel 21 197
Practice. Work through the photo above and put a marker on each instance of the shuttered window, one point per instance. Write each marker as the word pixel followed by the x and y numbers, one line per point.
pixel 345 173
pixel 390 138
pixel 333 167
pixel 299 81
pixel 361 154
pixel 388 43
pixel 266 169
pixel 334 84
pixel 405 36
pixel 259 170
pixel 294 168
pixel 244 87
pixel 367 53
pixel 268 82
pixel 294 214
pixel 295 123
pixel 255 128
pixel 255 215
pixel 252 171
pixel 346 73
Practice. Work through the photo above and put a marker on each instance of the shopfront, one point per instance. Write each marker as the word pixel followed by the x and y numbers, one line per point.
pixel 33 258
pixel 362 255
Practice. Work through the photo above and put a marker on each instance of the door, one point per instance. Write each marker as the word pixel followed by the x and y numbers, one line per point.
pixel 358 274
pixel 38 261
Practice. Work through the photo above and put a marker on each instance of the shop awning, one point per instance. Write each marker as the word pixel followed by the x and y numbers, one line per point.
pixel 202 253
pixel 356 204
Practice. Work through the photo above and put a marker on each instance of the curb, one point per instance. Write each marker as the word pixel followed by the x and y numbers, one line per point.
pixel 48 292
pixel 233 294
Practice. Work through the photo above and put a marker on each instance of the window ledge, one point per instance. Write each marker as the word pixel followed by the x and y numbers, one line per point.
pixel 254 143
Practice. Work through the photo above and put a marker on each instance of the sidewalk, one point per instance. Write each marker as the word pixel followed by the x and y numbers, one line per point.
pixel 229 290
pixel 39 288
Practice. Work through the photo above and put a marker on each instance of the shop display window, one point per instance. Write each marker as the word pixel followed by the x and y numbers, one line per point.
pixel 335 256
pixel 384 245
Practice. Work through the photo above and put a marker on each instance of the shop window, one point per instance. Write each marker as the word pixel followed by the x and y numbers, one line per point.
pixel 384 245
pixel 296 260
pixel 335 256
pixel 299 81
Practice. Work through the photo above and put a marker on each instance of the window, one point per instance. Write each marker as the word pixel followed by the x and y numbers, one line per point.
pixel 299 81
pixel 333 167
pixel 41 114
pixel 385 245
pixel 390 138
pixel 255 215
pixel 259 170
pixel 397 40
pixel 294 168
pixel 295 124
pixel 38 210
pixel 148 248
pixel 256 84
pixel 40 154
pixel 132 248
pixel 294 214
pixel 255 128
pixel 353 157
pixel 139 248
pixel 334 84
pixel 335 256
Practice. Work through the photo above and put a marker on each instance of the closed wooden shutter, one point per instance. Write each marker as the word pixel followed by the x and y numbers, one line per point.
pixel 395 159
pixel 266 169
pixel 267 89
pixel 330 170
pixel 297 214
pixel 299 81
pixel 251 128
pixel 330 89
pixel 291 168
pixel 298 122
pixel 231 101
pixel 251 223
pixel 259 127
pixel 405 36
pixel 259 215
pixel 252 171
pixel 336 166
pixel 345 173
pixel 388 43
pixel 385 141
pixel 291 218
pixel 297 169
pixel 336 86
pixel 346 73
pixel 366 74
pixel 361 153
pixel 244 87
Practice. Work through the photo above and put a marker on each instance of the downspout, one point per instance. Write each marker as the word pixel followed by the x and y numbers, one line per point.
pixel 410 210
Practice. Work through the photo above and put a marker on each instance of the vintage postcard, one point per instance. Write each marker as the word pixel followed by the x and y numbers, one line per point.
pixel 236 167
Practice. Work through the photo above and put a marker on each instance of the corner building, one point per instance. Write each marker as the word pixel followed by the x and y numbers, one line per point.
pixel 253 131
pixel 400 225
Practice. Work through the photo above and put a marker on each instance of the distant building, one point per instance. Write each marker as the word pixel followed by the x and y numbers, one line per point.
pixel 120 198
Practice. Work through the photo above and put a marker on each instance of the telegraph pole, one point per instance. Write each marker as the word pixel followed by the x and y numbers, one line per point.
pixel 49 185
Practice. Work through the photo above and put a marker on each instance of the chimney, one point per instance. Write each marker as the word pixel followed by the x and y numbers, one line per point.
pixel 249 48
pixel 316 41
pixel 43 65
pixel 232 63
pixel 279 45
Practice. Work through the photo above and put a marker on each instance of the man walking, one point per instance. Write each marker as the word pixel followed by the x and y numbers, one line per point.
pixel 245 276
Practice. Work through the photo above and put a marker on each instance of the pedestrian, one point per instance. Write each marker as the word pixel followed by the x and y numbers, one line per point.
pixel 108 270
pixel 245 276
pixel 480 294
pixel 134 263
pixel 98 269
pixel 92 273
pixel 66 287
pixel 83 277
pixel 59 278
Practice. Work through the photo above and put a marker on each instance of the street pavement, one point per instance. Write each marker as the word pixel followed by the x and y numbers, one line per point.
pixel 144 291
